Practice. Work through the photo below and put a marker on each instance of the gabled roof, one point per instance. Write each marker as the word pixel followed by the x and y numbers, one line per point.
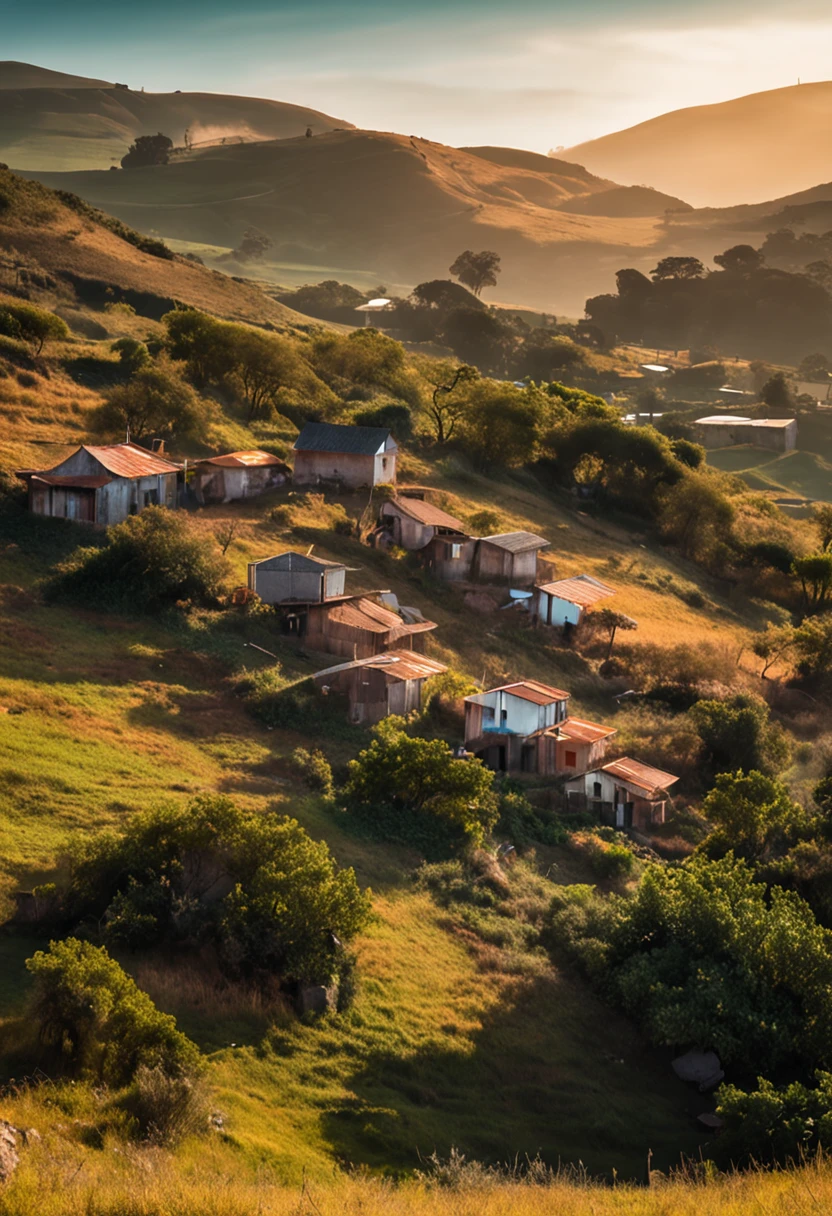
pixel 361 612
pixel 351 440
pixel 527 690
pixel 396 665
pixel 291 561
pixel 244 460
pixel 425 513
pixel 77 481
pixel 578 730
pixel 582 590
pixel 516 542
pixel 129 460
pixel 647 778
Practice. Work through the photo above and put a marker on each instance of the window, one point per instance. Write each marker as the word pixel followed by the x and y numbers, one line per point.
pixel 570 759
pixel 596 789
pixel 384 464
pixel 503 715
pixel 456 551
pixel 151 498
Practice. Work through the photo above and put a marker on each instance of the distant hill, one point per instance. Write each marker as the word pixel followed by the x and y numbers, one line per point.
pixel 740 151
pixel 50 121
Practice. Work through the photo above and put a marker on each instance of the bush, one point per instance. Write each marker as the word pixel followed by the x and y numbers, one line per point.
pixel 34 325
pixel 315 770
pixel 150 562
pixel 168 1108
pixel 394 417
pixel 607 859
pixel 101 1024
pixel 737 734
pixel 156 403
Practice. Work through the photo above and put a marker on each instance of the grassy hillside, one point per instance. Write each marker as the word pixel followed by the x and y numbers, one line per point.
pixel 49 120
pixel 739 151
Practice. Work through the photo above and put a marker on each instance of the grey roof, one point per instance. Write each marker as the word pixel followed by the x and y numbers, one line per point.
pixel 355 440
pixel 516 542
pixel 297 562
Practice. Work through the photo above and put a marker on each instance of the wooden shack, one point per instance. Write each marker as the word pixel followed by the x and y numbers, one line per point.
pixel 412 522
pixel 237 475
pixel 509 558
pixel 358 627
pixel 102 484
pixel 296 578
pixel 624 793
pixel 351 456
pixel 390 683
pixel 565 602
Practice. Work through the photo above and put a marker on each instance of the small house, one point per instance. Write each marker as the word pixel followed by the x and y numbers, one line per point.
pixel 525 727
pixel 510 557
pixel 624 793
pixel 102 484
pixel 450 556
pixel 352 456
pixel 237 475
pixel 413 522
pixel 358 627
pixel 296 578
pixel 727 430
pixel 565 602
pixel 390 683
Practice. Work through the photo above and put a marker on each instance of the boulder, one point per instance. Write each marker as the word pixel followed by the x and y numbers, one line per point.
pixel 700 1068
pixel 315 998
pixel 9 1158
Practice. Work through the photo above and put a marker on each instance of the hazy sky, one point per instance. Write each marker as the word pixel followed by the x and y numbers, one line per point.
pixel 532 73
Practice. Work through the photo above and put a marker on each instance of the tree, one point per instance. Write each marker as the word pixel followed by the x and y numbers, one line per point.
pixel 102 1025
pixel 815 367
pixel 695 514
pixel 150 562
pixel 34 325
pixel 503 424
pixel 821 272
pixel 443 295
pixel 689 453
pixel 772 645
pixel 133 355
pixel 813 648
pixel 148 150
pixel 265 365
pixel 610 621
pixel 156 403
pixel 391 415
pixel 754 816
pixel 678 268
pixel 413 776
pixel 740 259
pixel 253 245
pixel 822 519
pixel 205 344
pixel 814 572
pixel 477 270
pixel 737 734
pixel 777 392
pixel 448 407
pixel 476 337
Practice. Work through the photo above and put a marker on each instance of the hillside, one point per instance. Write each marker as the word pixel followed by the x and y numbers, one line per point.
pixel 739 151
pixel 393 205
pixel 57 122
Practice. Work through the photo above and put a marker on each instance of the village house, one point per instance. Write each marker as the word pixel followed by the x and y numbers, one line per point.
pixel 296 578
pixel 358 627
pixel 624 793
pixel 102 484
pixel 510 557
pixel 237 475
pixel 525 727
pixel 390 683
pixel 412 522
pixel 564 603
pixel 726 430
pixel 352 456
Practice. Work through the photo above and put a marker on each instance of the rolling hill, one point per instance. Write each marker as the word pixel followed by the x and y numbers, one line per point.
pixel 49 120
pixel 739 151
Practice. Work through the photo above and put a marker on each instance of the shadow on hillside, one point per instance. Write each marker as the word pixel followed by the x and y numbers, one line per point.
pixel 553 1072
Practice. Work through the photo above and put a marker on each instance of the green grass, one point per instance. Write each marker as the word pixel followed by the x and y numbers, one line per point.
pixel 799 473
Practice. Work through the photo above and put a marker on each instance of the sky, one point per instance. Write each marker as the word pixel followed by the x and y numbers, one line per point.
pixel 539 74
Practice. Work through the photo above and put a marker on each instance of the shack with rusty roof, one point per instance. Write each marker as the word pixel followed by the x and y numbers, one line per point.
pixel 232 476
pixel 624 793
pixel 349 456
pixel 358 627
pixel 564 603
pixel 102 484
pixel 389 683
pixel 525 727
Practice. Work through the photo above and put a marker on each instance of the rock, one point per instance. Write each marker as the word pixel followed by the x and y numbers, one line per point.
pixel 700 1068
pixel 9 1158
pixel 710 1122
pixel 317 999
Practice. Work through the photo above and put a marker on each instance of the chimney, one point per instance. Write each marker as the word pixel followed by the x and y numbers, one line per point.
pixel 158 446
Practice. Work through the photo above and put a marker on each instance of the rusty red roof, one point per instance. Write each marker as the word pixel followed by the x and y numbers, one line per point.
pixel 578 730
pixel 533 690
pixel 128 460
pixel 426 513
pixel 644 776
pixel 244 460
pixel 77 481
pixel 397 664
pixel 582 590
pixel 363 613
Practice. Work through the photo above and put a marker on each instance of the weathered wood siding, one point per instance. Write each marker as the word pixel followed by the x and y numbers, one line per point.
pixel 352 470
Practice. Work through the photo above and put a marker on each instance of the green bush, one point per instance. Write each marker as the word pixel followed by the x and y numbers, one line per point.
pixel 773 1125
pixel 150 562
pixel 315 770
pixel 168 1108
pixel 737 734
pixel 101 1024
pixel 34 325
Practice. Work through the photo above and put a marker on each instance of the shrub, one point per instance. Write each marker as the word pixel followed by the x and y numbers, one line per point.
pixel 607 859
pixel 485 522
pixel 393 416
pixel 102 1024
pixel 737 734
pixel 168 1108
pixel 34 325
pixel 151 561
pixel 155 403
pixel 315 770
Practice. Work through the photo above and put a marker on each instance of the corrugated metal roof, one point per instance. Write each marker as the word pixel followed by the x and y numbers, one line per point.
pixel 297 561
pixel 643 775
pixel 580 730
pixel 364 613
pixel 397 664
pixel 516 542
pixel 582 590
pixel 243 460
pixel 349 440
pixel 533 690
pixel 426 513
pixel 75 481
pixel 129 460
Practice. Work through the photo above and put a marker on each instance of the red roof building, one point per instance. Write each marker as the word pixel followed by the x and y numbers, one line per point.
pixel 102 484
